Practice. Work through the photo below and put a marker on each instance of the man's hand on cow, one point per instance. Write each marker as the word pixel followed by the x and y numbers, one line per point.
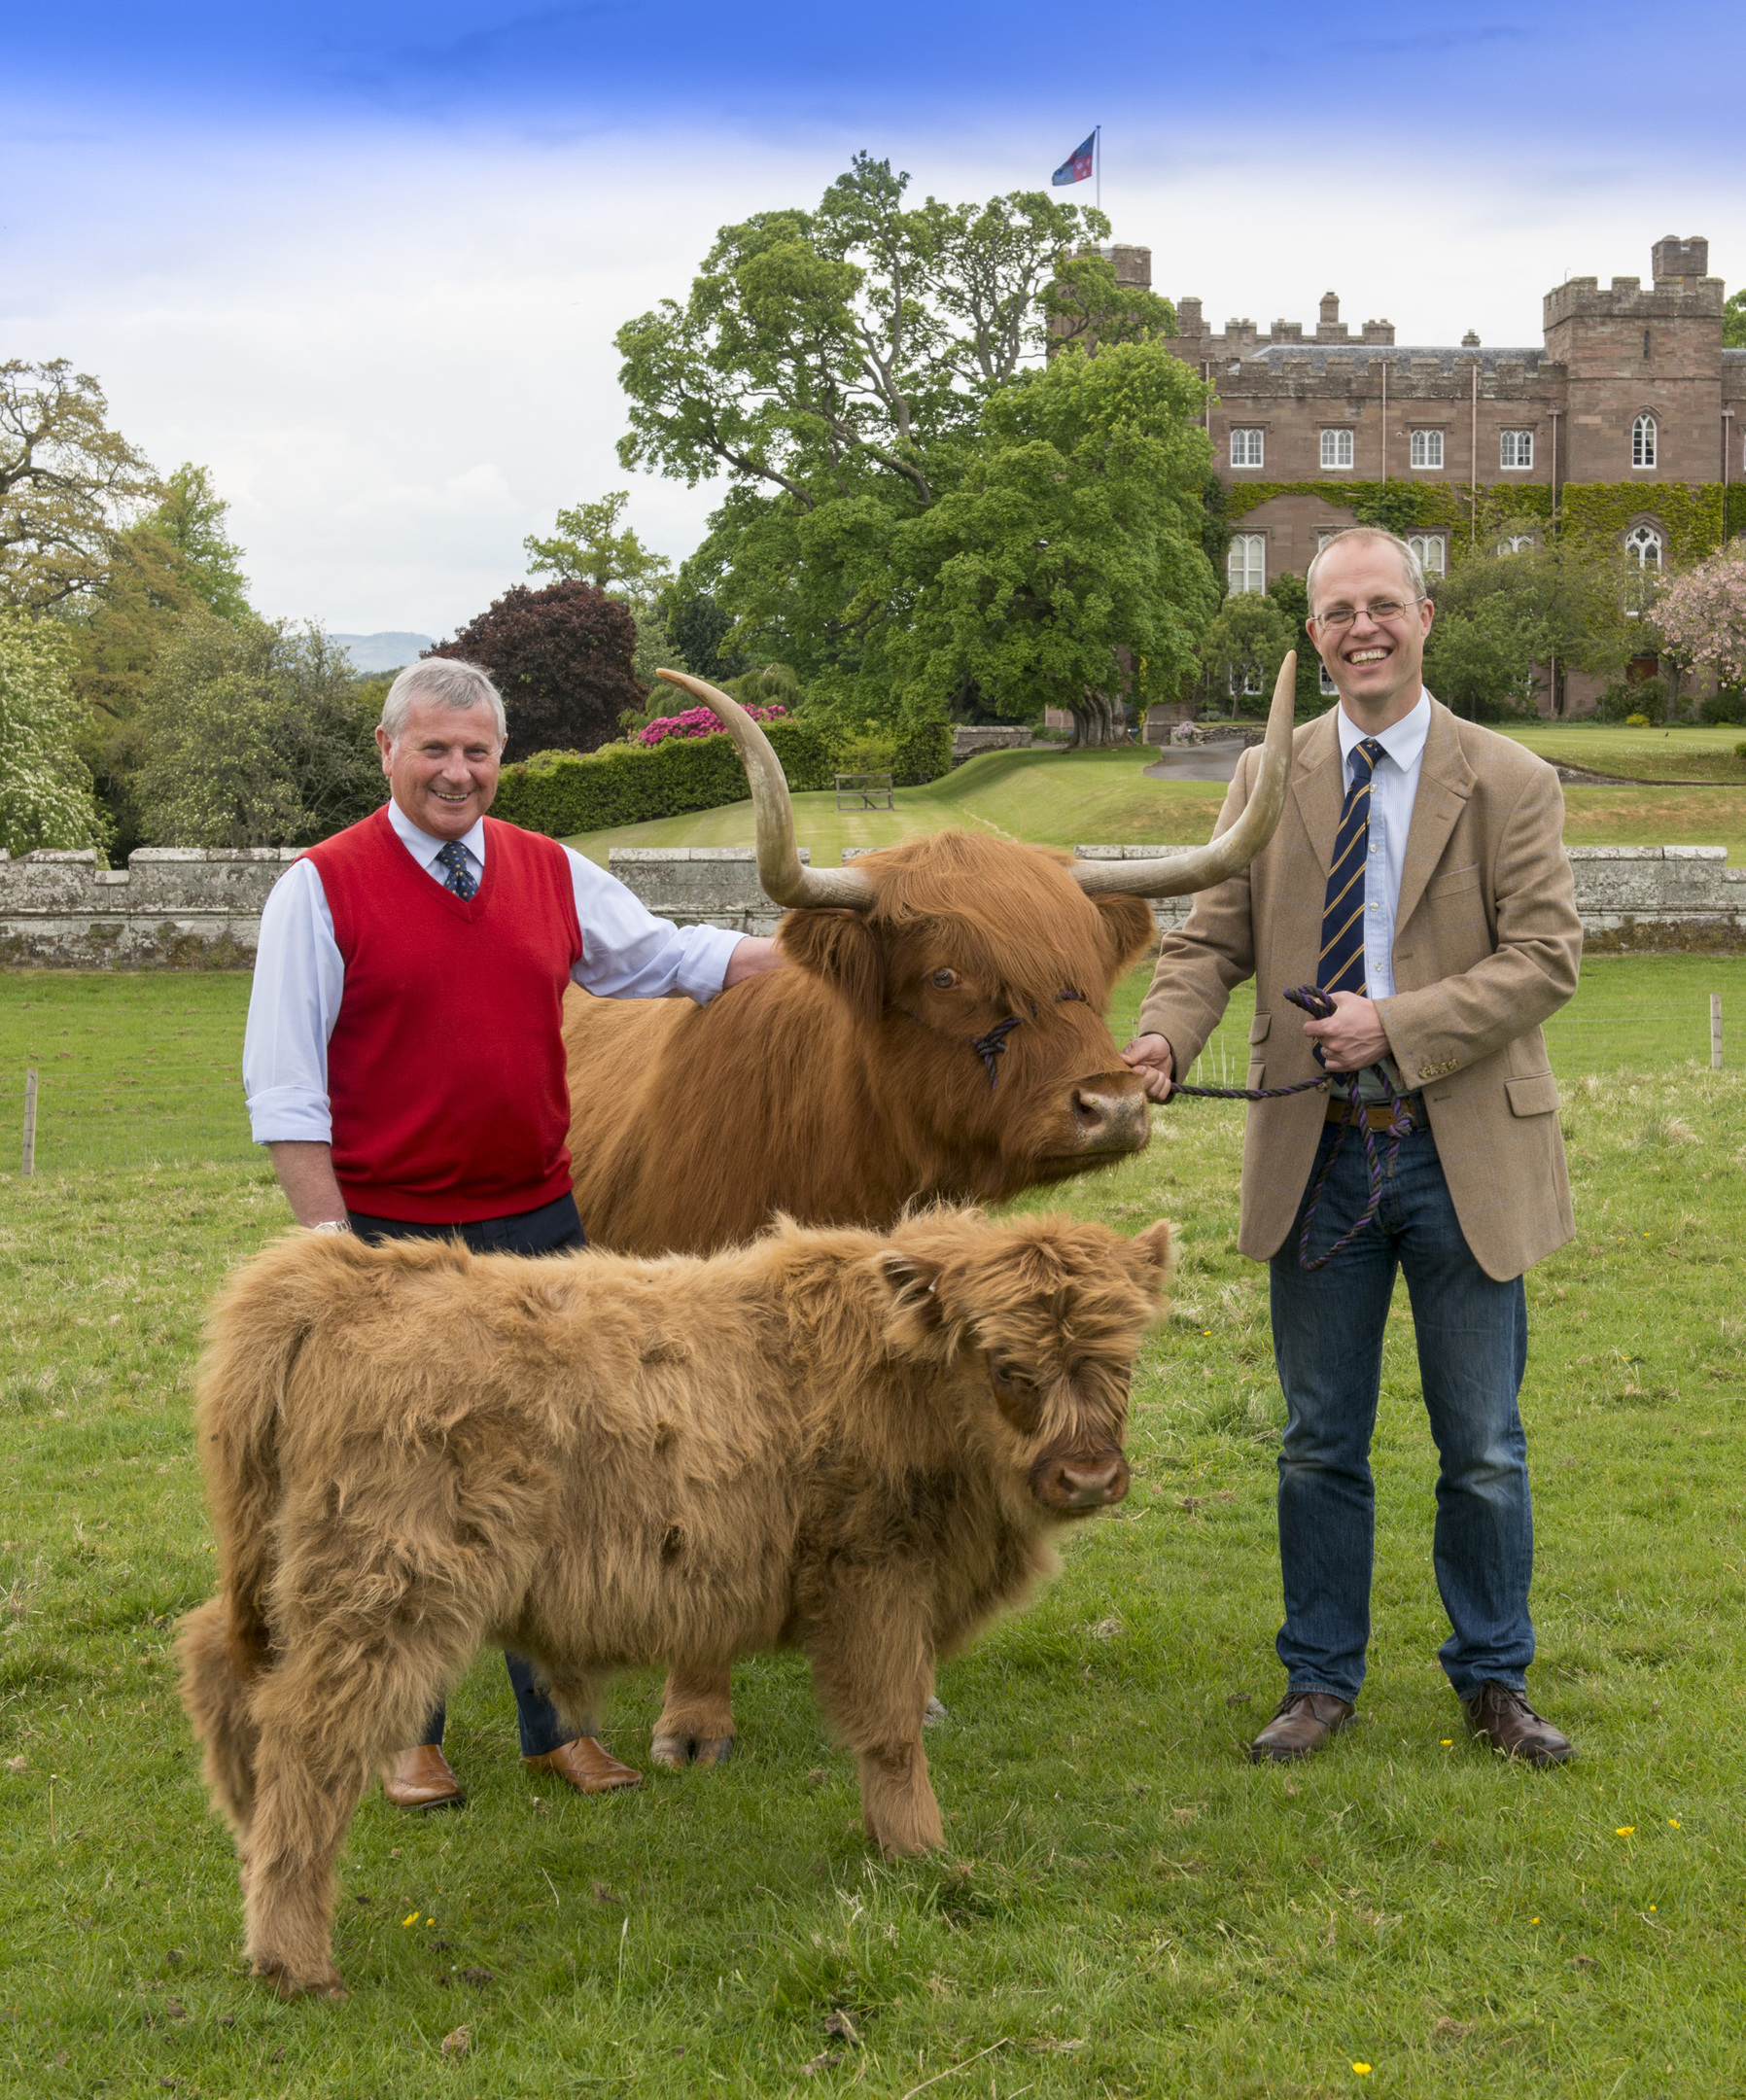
pixel 1150 1057
pixel 750 959
pixel 1352 1037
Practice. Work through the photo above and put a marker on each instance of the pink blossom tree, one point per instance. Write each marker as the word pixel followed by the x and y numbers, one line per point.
pixel 1700 616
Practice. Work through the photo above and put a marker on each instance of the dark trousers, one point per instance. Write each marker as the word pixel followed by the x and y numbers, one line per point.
pixel 554 1229
pixel 1472 1335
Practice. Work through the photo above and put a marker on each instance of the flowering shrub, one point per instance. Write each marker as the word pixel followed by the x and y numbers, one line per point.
pixel 1701 615
pixel 699 721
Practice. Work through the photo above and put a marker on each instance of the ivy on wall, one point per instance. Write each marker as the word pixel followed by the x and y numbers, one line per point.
pixel 1692 514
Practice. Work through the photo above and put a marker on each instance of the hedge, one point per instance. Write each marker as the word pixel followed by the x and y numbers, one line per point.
pixel 924 753
pixel 563 793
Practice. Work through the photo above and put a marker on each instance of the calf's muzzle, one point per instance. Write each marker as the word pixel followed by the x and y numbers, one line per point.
pixel 1074 1481
pixel 1111 1114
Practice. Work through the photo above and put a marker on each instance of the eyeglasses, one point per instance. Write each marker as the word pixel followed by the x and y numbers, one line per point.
pixel 1338 618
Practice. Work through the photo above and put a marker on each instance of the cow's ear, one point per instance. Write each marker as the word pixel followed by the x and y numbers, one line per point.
pixel 1154 1251
pixel 841 947
pixel 1128 927
pixel 916 1316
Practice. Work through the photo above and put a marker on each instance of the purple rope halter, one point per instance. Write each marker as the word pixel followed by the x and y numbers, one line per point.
pixel 1318 1007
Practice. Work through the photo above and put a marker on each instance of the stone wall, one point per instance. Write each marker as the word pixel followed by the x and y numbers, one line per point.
pixel 181 908
pixel 172 907
pixel 969 742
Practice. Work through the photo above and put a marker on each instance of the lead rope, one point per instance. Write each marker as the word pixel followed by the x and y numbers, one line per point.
pixel 1320 1006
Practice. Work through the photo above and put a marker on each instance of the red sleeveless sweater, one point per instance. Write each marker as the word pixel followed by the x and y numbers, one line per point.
pixel 445 1070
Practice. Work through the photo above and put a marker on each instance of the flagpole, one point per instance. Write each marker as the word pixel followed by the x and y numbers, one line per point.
pixel 1098 161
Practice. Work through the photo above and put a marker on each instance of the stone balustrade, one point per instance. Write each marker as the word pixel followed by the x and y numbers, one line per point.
pixel 192 908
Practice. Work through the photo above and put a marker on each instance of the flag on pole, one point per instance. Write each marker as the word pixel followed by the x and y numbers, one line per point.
pixel 1077 166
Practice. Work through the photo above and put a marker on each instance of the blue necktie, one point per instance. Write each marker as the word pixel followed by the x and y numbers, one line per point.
pixel 1341 967
pixel 460 877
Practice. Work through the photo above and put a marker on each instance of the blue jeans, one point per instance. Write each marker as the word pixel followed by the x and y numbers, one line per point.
pixel 553 1229
pixel 1471 1352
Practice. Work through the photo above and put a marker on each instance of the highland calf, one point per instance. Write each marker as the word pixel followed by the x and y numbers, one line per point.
pixel 849 1443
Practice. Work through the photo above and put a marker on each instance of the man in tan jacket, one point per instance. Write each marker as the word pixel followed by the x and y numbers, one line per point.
pixel 1418 875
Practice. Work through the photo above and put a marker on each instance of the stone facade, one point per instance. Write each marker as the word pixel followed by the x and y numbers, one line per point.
pixel 180 908
pixel 1629 387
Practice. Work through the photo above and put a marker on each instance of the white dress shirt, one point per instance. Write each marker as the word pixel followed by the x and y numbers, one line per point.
pixel 1392 788
pixel 300 975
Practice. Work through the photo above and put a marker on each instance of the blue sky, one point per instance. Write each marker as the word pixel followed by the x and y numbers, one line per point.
pixel 365 262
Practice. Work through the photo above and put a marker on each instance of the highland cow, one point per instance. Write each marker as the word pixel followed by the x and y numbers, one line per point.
pixel 852 1445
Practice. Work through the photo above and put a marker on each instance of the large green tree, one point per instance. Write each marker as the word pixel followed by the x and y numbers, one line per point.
pixel 45 788
pixel 68 484
pixel 586 542
pixel 1505 617
pixel 254 734
pixel 836 368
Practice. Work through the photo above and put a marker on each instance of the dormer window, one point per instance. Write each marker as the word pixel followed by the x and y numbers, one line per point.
pixel 1643 441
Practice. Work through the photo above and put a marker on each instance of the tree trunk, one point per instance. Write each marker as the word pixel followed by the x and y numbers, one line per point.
pixel 1098 723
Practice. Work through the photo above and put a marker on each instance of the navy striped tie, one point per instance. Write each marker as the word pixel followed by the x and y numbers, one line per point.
pixel 1341 967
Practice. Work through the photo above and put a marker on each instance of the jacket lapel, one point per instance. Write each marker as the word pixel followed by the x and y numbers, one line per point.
pixel 1317 788
pixel 1445 782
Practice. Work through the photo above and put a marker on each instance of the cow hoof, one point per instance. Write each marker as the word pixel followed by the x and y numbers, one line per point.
pixel 675 1752
pixel 289 1986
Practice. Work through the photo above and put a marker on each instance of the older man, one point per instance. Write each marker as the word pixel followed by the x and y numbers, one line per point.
pixel 403 1063
pixel 1417 876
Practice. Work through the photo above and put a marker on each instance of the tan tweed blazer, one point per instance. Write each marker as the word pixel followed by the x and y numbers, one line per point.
pixel 1487 945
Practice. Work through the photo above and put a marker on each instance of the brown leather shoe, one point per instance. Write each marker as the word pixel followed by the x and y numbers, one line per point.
pixel 1303 1723
pixel 585 1765
pixel 1502 1717
pixel 420 1778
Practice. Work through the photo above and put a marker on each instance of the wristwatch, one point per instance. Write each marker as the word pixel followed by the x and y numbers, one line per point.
pixel 337 1224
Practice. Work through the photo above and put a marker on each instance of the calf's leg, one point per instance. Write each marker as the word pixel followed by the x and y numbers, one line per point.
pixel 218 1703
pixel 697 1718
pixel 874 1676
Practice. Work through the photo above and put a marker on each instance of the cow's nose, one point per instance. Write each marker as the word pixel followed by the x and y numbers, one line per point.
pixel 1111 1119
pixel 1084 1483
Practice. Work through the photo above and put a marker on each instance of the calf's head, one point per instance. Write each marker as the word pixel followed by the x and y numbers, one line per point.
pixel 1037 1324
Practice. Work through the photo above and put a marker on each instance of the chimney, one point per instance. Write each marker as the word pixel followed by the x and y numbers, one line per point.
pixel 1330 308
pixel 1188 318
pixel 1470 342
pixel 1379 331
pixel 1330 328
pixel 1672 257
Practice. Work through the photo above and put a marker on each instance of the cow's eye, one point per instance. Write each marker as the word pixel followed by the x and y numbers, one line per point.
pixel 1015 1394
pixel 942 980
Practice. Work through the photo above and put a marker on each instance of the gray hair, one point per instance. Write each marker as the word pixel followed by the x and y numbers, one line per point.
pixel 1410 561
pixel 448 682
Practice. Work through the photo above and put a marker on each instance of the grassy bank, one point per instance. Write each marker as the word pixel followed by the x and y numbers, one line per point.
pixel 1082 799
pixel 1695 752
pixel 1127 1907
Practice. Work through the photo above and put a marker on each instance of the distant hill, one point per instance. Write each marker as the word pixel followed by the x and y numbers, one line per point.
pixel 374 652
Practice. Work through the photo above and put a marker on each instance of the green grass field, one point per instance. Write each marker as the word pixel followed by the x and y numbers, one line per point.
pixel 1688 753
pixel 1084 798
pixel 1127 1907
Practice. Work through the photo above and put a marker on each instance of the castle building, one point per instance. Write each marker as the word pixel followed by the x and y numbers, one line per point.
pixel 1628 419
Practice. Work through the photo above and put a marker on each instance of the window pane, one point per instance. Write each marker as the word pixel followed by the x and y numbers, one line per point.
pixel 1337 448
pixel 1643 441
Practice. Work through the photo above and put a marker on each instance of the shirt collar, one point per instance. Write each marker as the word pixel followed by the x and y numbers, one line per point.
pixel 423 848
pixel 1403 741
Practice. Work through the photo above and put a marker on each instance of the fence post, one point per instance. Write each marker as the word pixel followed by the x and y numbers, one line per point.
pixel 28 1163
pixel 1714 1032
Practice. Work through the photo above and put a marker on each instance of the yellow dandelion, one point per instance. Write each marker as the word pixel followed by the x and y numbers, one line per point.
pixel 1363 2069
pixel 1652 1907
pixel 412 1920
pixel 1673 1822
pixel 1535 1921
pixel 1448 1741
pixel 430 1921
pixel 1625 1830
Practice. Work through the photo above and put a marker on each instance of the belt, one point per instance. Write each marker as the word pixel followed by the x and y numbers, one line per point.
pixel 1378 1115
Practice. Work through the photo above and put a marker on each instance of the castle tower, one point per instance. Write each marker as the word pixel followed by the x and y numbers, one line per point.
pixel 1644 370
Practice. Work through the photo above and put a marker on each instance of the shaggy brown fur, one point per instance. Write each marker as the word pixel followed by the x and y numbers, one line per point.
pixel 852 1445
pixel 844 1089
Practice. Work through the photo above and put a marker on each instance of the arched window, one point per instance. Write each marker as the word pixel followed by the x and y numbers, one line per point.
pixel 1432 551
pixel 1643 441
pixel 1516 543
pixel 1644 543
pixel 1245 566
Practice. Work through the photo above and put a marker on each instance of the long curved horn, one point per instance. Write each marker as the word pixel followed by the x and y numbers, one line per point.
pixel 1232 851
pixel 786 879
